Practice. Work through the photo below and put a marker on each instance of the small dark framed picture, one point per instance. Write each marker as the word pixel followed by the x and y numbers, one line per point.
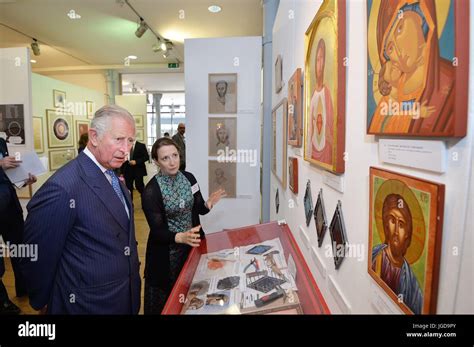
pixel 277 201
pixel 320 218
pixel 338 236
pixel 308 203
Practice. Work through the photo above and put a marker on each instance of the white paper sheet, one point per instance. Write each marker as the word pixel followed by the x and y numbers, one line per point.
pixel 30 164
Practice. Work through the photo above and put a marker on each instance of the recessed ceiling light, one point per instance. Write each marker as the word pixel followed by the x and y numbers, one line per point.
pixel 133 57
pixel 32 61
pixel 214 9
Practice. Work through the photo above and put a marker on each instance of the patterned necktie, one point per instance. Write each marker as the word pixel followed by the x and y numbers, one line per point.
pixel 116 185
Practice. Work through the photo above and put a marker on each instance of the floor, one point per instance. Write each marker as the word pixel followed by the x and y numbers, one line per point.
pixel 141 231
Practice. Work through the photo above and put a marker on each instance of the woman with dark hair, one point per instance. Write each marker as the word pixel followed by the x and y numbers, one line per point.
pixel 172 203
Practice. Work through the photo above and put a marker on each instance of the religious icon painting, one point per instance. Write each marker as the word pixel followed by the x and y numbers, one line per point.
pixel 308 203
pixel 295 109
pixel 320 218
pixel 418 64
pixel 325 81
pixel 405 226
pixel 337 230
pixel 293 174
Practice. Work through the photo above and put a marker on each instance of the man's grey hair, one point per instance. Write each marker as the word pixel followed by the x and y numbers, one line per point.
pixel 103 114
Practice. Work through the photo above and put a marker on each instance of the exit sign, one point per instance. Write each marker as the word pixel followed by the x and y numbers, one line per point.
pixel 173 65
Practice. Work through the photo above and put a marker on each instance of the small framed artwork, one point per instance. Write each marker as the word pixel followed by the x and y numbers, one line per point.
pixel 140 135
pixel 405 227
pixel 293 174
pixel 222 175
pixel 278 73
pixel 12 123
pixel 139 120
pixel 222 135
pixel 222 93
pixel 90 109
pixel 82 127
pixel 279 167
pixel 59 98
pixel 295 109
pixel 337 230
pixel 320 218
pixel 277 201
pixel 428 94
pixel 38 134
pixel 308 203
pixel 60 131
pixel 325 87
pixel 60 157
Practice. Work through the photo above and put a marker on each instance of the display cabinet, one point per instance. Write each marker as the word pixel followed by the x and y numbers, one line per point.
pixel 309 298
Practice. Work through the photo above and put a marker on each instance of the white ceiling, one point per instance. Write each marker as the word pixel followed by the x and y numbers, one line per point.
pixel 105 34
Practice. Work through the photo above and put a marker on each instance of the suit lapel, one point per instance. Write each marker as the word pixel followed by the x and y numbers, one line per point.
pixel 101 187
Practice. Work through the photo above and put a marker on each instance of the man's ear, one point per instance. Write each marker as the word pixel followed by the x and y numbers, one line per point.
pixel 93 137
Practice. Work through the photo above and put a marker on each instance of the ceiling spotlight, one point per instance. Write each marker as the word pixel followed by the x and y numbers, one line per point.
pixel 214 9
pixel 141 29
pixel 35 47
pixel 32 61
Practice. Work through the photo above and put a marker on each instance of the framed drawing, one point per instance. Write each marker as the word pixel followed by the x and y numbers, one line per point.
pixel 223 175
pixel 222 134
pixel 405 226
pixel 222 93
pixel 12 123
pixel 295 109
pixel 140 135
pixel 139 120
pixel 325 81
pixel 293 174
pixel 320 218
pixel 59 99
pixel 418 67
pixel 337 230
pixel 82 127
pixel 277 201
pixel 308 203
pixel 60 157
pixel 38 134
pixel 279 142
pixel 278 73
pixel 90 109
pixel 60 131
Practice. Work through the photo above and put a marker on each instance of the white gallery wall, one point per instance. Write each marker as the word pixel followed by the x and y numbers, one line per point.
pixel 350 289
pixel 241 55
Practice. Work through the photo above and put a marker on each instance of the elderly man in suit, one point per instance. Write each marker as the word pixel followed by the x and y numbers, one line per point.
pixel 82 221
pixel 134 169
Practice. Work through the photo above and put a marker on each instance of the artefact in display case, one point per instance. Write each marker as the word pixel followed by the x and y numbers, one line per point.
pixel 257 269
